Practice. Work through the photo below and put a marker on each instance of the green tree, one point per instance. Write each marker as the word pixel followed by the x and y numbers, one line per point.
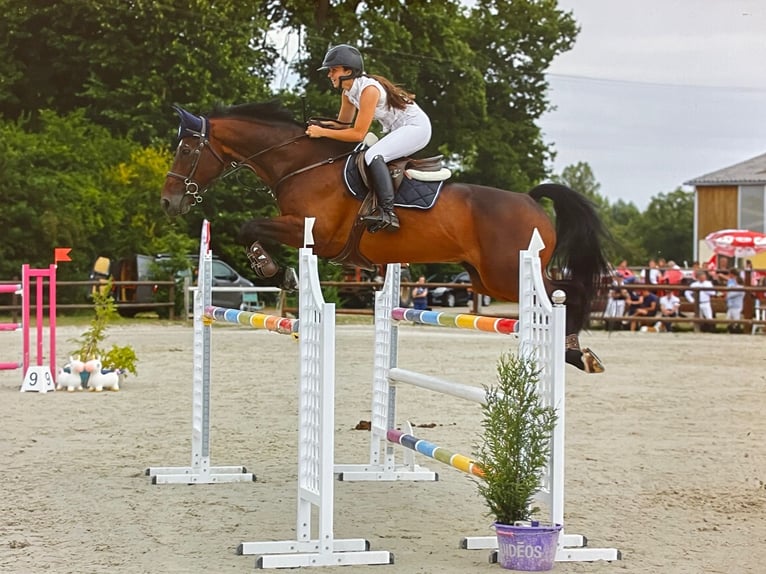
pixel 477 71
pixel 580 177
pixel 57 191
pixel 126 62
pixel 667 226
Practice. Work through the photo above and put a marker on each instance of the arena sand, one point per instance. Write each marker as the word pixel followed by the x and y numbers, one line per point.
pixel 666 456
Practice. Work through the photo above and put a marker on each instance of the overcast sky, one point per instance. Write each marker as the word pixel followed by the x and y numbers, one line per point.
pixel 658 92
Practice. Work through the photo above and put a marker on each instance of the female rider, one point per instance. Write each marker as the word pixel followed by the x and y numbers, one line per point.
pixel 365 98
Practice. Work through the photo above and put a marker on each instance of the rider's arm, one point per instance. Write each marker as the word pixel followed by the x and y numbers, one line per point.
pixel 364 117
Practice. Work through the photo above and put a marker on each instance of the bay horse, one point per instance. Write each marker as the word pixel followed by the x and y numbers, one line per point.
pixel 480 227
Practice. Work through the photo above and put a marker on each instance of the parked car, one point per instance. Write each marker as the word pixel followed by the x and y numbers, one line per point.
pixel 451 296
pixel 144 268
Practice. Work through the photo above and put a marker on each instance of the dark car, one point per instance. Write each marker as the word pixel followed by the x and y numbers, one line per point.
pixel 134 299
pixel 224 275
pixel 451 296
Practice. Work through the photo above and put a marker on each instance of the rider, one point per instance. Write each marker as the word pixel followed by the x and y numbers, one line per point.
pixel 374 98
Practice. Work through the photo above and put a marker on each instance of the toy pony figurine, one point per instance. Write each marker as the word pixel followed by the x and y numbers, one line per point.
pixel 101 379
pixel 69 376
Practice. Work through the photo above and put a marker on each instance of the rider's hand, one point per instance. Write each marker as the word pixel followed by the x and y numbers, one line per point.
pixel 314 131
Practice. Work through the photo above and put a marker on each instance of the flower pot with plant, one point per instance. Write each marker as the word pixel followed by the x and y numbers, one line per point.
pixel 513 452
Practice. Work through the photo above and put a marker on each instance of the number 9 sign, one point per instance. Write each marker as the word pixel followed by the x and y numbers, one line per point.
pixel 38 379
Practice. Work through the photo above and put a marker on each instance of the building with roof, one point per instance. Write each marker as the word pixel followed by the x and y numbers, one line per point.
pixel 730 198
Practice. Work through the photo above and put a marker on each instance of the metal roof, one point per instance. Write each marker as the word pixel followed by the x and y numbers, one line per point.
pixel 751 171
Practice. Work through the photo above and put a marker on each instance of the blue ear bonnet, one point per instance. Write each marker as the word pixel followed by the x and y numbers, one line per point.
pixel 191 125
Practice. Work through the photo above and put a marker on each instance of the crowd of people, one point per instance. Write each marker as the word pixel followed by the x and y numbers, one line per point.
pixel 627 307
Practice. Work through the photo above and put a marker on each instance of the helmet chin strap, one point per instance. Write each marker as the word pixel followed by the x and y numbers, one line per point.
pixel 350 76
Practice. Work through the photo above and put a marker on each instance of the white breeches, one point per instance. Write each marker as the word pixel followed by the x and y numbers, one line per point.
pixel 402 141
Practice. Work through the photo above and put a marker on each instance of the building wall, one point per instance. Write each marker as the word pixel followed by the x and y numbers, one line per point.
pixel 717 208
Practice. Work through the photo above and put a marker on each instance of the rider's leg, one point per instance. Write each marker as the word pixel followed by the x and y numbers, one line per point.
pixel 384 190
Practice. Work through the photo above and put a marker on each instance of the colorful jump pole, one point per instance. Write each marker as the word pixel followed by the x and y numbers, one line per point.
pixel 10 288
pixel 429 449
pixel 459 321
pixel 274 323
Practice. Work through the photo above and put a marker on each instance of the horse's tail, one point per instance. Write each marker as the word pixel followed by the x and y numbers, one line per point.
pixel 579 253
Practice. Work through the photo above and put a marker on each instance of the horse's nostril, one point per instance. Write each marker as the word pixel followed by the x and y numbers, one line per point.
pixel 165 203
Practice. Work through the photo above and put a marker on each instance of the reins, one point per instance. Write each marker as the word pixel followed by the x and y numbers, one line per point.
pixel 194 190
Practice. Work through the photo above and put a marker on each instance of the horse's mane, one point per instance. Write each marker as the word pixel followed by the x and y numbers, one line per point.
pixel 272 112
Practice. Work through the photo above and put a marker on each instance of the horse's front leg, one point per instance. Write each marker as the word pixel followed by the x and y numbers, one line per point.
pixel 259 233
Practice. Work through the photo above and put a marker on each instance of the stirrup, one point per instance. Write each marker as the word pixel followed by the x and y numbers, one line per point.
pixel 261 262
pixel 381 219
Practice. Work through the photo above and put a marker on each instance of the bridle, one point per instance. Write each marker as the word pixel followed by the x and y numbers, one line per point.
pixel 196 191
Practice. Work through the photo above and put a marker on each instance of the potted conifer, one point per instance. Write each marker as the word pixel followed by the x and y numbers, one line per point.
pixel 513 452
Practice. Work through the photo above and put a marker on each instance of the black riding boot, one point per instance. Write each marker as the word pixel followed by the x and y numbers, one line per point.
pixel 384 216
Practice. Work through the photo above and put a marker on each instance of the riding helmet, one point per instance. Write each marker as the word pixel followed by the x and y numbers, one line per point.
pixel 346 56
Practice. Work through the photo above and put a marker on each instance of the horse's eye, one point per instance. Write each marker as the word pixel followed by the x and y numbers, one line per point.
pixel 185 150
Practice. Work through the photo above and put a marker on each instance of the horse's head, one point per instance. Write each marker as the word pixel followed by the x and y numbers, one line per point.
pixel 195 166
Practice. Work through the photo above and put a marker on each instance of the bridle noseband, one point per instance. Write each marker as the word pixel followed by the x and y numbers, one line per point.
pixel 192 188
pixel 196 191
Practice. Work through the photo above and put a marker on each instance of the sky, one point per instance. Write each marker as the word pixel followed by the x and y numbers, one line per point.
pixel 658 92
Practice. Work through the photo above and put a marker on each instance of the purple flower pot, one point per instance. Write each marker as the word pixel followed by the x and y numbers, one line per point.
pixel 527 548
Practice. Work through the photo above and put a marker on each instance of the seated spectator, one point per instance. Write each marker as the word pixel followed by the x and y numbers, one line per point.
pixel 647 308
pixel 669 305
pixel 615 305
pixel 651 275
pixel 625 272
pixel 633 302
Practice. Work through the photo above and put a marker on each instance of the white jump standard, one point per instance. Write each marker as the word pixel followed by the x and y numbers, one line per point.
pixel 541 331
pixel 200 471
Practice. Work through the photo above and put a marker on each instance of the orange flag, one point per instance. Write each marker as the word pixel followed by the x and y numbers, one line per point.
pixel 61 254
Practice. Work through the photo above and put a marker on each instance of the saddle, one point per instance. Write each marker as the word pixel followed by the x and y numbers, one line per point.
pixel 428 169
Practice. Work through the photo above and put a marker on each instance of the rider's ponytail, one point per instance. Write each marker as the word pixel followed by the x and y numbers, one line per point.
pixel 397 97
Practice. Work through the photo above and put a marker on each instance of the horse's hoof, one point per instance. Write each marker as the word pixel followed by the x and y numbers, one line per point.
pixel 591 361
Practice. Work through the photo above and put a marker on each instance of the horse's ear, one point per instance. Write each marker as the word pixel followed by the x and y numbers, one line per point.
pixel 190 123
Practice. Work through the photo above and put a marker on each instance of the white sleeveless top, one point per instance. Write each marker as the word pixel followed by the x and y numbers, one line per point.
pixel 390 118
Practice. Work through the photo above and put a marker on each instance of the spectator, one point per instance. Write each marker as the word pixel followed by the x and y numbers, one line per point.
pixel 754 275
pixel 647 307
pixel 652 274
pixel 615 305
pixel 634 300
pixel 626 274
pixel 669 305
pixel 703 296
pixel 420 295
pixel 735 300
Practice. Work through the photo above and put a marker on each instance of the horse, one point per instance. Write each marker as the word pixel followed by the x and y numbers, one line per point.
pixel 482 228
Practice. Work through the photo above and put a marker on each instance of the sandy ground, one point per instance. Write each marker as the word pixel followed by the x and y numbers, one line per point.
pixel 666 456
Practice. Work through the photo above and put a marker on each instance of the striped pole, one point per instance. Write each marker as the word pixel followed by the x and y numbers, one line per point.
pixel 429 449
pixel 273 323
pixel 459 321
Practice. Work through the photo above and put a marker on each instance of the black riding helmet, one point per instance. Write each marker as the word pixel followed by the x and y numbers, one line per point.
pixel 345 56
